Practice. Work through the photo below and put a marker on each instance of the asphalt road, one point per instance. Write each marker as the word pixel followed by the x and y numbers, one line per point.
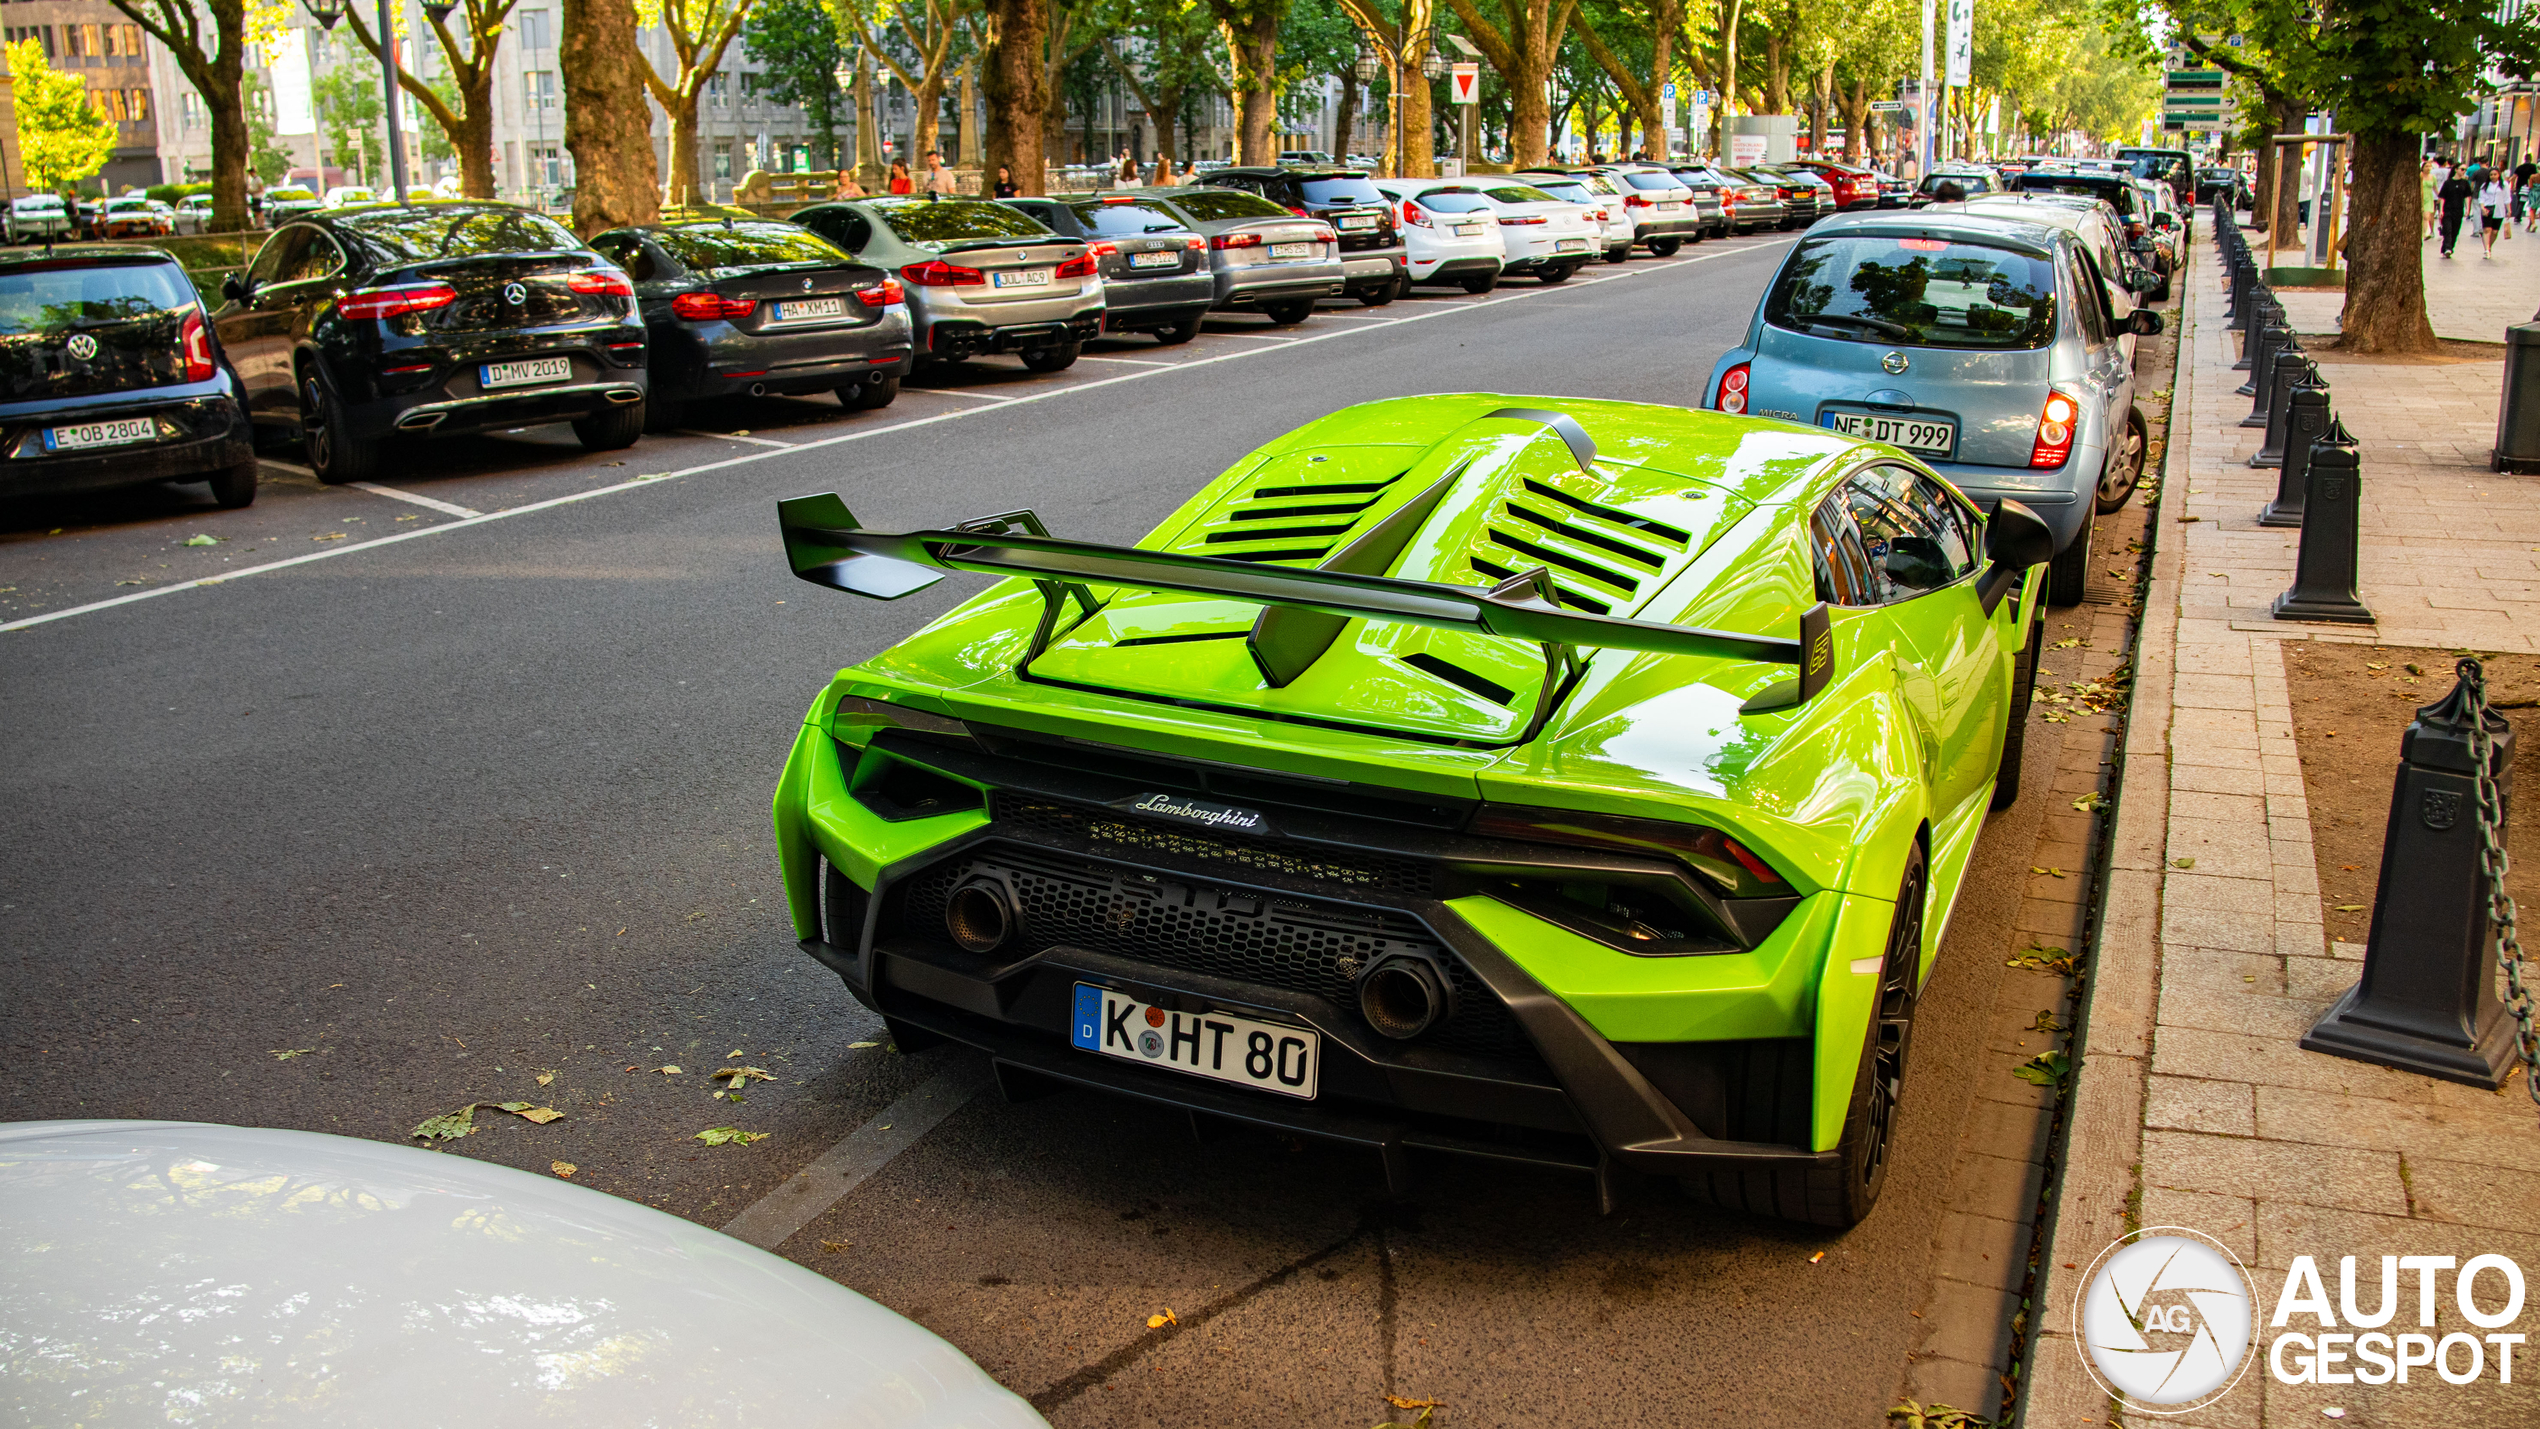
pixel 455 803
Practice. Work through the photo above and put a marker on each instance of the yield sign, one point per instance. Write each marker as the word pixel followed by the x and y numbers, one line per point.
pixel 1464 83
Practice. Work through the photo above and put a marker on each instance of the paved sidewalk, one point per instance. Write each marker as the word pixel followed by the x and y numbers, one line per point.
pixel 2470 296
pixel 2194 1105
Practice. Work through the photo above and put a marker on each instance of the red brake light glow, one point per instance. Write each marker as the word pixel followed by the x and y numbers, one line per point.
pixel 711 307
pixel 1634 201
pixel 197 346
pixel 936 273
pixel 1412 213
pixel 882 294
pixel 1235 240
pixel 1104 249
pixel 1923 245
pixel 607 281
pixel 1732 396
pixel 1080 266
pixel 1520 220
pixel 2055 423
pixel 370 304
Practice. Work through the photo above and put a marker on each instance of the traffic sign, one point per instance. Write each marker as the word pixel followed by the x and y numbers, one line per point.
pixel 1889 106
pixel 1667 94
pixel 1464 83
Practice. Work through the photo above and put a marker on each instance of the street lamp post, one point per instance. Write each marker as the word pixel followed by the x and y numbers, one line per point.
pixel 327 12
pixel 1376 57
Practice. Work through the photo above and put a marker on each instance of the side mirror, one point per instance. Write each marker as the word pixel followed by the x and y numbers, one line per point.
pixel 2014 540
pixel 235 288
pixel 2143 322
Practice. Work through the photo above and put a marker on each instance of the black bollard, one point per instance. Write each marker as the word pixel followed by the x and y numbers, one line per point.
pixel 2244 304
pixel 2289 369
pixel 2263 320
pixel 2274 340
pixel 2306 421
pixel 2332 515
pixel 2427 1002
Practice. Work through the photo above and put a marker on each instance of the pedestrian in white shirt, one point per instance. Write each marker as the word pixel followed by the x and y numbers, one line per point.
pixel 2494 202
pixel 940 180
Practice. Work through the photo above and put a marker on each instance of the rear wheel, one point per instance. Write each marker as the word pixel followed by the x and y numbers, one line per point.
pixel 1377 297
pixel 2124 470
pixel 1619 255
pixel 1480 283
pixel 236 486
pixel 1179 333
pixel 1842 1194
pixel 664 414
pixel 2006 775
pixel 872 394
pixel 1665 247
pixel 1288 314
pixel 336 457
pixel 1553 273
pixel 1056 358
pixel 611 429
pixel 2068 575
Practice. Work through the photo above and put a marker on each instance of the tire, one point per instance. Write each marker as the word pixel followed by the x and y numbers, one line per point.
pixel 614 429
pixel 1288 313
pixel 1841 1195
pixel 1553 273
pixel 1378 297
pixel 2124 471
pixel 870 396
pixel 2006 774
pixel 335 457
pixel 664 414
pixel 2068 575
pixel 1666 247
pixel 1481 283
pixel 236 486
pixel 1619 255
pixel 1181 332
pixel 1056 358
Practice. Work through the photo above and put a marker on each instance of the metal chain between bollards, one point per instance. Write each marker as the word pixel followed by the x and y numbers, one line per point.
pixel 2494 861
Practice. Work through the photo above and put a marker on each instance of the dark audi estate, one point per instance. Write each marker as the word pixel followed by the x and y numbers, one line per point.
pixel 357 325
pixel 741 304
pixel 112 378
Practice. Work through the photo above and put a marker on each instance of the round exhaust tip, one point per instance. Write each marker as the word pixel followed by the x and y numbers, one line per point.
pixel 979 916
pixel 1402 996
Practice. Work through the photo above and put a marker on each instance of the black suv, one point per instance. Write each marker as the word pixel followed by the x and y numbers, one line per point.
pixel 1373 261
pixel 356 325
pixel 109 376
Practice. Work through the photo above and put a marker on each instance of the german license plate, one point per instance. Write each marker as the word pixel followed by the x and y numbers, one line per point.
pixel 1024 277
pixel 1913 434
pixel 1358 220
pixel 1569 245
pixel 1291 250
pixel 805 310
pixel 1154 260
pixel 1468 230
pixel 1670 205
pixel 527 373
pixel 121 432
pixel 1270 1055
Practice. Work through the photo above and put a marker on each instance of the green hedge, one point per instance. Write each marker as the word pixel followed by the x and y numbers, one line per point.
pixel 170 193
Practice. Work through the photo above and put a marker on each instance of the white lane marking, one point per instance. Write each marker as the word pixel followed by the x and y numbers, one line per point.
pixel 861 434
pixel 1132 361
pixel 734 437
pixel 798 1201
pixel 957 392
pixel 446 508
pixel 293 467
pixel 1263 336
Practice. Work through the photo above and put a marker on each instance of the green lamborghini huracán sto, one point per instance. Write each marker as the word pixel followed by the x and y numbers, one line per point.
pixel 1575 783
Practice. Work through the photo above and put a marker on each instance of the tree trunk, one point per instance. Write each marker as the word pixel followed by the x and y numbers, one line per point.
pixel 2288 203
pixel 927 105
pixel 1732 14
pixel 1854 105
pixel 1820 97
pixel 966 127
pixel 868 133
pixel 1345 118
pixel 230 142
pixel 1252 52
pixel 1016 83
pixel 607 125
pixel 2385 251
pixel 1776 74
pixel 1419 133
pixel 682 188
pixel 473 136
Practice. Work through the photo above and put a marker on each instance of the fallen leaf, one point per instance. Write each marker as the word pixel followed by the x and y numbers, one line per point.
pixel 864 1044
pixel 670 1071
pixel 449 1126
pixel 2046 1069
pixel 546 1077
pixel 336 536
pixel 735 1052
pixel 730 1136
pixel 742 1076
pixel 2351 907
pixel 202 540
pixel 2371 665
pixel 836 1247
pixel 1158 1322
pixel 2182 863
pixel 132 582
pixel 285 1054
pixel 563 1168
pixel 2065 644
pixel 2091 803
pixel 539 1115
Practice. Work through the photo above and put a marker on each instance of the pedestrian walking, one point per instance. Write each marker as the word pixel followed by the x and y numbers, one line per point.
pixel 1005 183
pixel 2427 178
pixel 1163 178
pixel 2495 203
pixel 900 181
pixel 939 180
pixel 2454 194
pixel 1125 173
pixel 2527 194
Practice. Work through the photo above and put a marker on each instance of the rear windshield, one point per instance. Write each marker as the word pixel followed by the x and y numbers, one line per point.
pixel 415 235
pixel 935 224
pixel 1520 193
pixel 1457 200
pixel 1967 183
pixel 1568 193
pixel 713 247
pixel 1643 179
pixel 2118 192
pixel 1928 292
pixel 49 300
pixel 1124 220
pixel 1211 204
pixel 1336 191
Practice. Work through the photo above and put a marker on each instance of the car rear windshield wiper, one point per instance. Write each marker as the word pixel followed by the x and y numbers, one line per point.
pixel 1874 324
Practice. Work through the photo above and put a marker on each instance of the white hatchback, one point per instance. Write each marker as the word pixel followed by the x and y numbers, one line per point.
pixel 1595 192
pixel 1545 237
pixel 1450 233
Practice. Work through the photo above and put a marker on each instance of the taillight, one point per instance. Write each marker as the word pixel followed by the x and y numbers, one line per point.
pixel 1634 201
pixel 606 281
pixel 1413 213
pixel 1728 863
pixel 711 307
pixel 1104 250
pixel 197 345
pixel 1195 241
pixel 936 273
pixel 1080 266
pixel 2055 424
pixel 1235 240
pixel 882 294
pixel 1732 395
pixel 1301 213
pixel 372 303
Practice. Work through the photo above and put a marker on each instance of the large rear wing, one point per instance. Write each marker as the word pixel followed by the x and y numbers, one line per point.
pixel 825 546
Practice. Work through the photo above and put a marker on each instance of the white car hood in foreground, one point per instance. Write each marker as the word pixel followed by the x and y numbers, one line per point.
pixel 172 1273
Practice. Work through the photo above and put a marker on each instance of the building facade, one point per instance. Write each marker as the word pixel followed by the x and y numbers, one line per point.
pixel 94 41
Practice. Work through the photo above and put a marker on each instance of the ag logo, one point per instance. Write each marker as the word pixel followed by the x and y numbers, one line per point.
pixel 2166 1317
pixel 83 346
pixel 2442 808
pixel 515 294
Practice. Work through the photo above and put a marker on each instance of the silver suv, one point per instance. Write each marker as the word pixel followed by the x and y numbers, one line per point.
pixel 981 277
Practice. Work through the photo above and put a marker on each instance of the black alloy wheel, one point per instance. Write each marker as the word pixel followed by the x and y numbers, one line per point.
pixel 611 429
pixel 1480 283
pixel 872 394
pixel 236 486
pixel 1552 273
pixel 1057 357
pixel 334 456
pixel 1288 313
pixel 1179 333
pixel 1865 1159
pixel 1381 294
pixel 2124 471
pixel 1619 255
pixel 1666 247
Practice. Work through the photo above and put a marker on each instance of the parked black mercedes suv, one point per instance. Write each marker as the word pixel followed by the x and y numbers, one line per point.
pixel 1376 267
pixel 109 376
pixel 355 326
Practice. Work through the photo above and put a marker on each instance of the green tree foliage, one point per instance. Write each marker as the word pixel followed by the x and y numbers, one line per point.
pixel 795 42
pixel 1171 55
pixel 264 155
pixel 348 114
pixel 61 139
pixel 2104 93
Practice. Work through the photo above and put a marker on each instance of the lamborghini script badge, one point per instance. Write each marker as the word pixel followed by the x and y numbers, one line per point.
pixel 1198 811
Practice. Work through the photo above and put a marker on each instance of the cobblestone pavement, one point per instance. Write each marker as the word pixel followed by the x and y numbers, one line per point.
pixel 2193 1104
